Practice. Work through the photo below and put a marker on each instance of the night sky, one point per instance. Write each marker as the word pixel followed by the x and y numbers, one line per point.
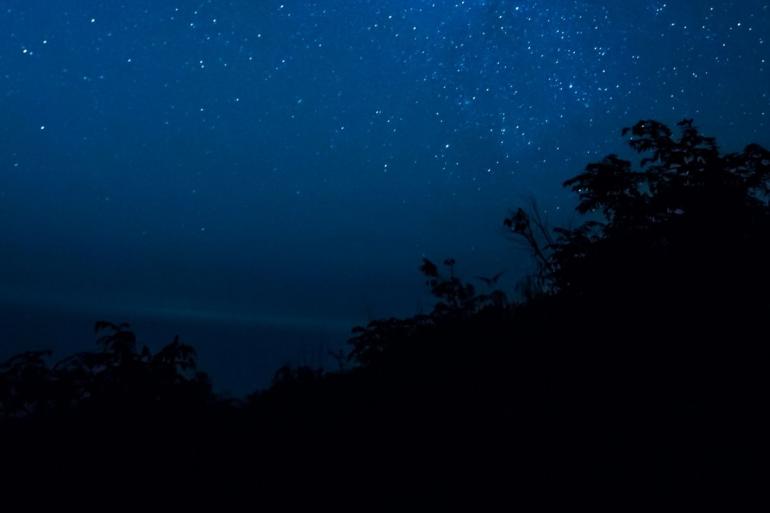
pixel 260 175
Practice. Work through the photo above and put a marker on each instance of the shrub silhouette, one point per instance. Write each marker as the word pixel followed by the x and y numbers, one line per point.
pixel 689 222
pixel 119 376
pixel 635 359
pixel 646 314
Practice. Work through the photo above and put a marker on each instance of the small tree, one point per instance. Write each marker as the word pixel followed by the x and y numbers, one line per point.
pixel 688 221
pixel 118 375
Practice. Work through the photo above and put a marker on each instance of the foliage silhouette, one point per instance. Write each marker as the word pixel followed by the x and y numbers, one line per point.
pixel 688 216
pixel 119 376
pixel 633 360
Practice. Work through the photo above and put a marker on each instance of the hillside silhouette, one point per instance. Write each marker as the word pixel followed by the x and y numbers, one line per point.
pixel 632 361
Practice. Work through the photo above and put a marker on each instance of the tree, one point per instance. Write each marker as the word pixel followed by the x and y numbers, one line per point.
pixel 687 227
pixel 119 376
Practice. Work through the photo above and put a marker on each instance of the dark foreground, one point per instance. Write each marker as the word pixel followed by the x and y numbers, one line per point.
pixel 633 369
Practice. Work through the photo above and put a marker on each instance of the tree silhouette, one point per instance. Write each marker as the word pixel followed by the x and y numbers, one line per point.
pixel 634 359
pixel 119 375
pixel 687 216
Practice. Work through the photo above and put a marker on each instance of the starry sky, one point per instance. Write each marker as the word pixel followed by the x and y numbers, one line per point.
pixel 259 175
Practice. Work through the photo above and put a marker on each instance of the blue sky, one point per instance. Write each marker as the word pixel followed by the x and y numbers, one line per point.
pixel 291 162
